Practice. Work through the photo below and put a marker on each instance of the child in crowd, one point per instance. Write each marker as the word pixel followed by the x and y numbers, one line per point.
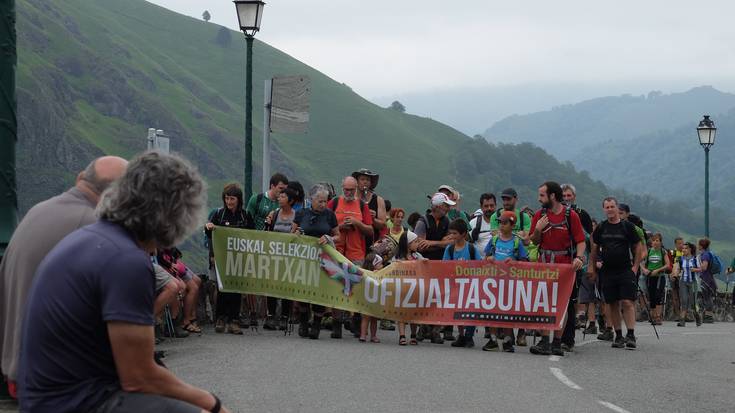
pixel 408 245
pixel 461 249
pixel 504 246
pixel 373 262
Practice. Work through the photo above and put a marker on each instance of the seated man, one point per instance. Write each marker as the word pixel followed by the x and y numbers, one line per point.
pixel 88 333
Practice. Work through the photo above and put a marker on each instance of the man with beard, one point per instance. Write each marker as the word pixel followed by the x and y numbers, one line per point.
pixel 557 231
pixel 480 225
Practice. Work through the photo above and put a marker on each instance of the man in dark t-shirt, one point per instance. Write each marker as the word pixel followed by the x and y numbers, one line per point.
pixel 617 241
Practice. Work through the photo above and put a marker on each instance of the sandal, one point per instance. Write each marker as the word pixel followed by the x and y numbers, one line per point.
pixel 413 341
pixel 402 341
pixel 192 327
pixel 374 340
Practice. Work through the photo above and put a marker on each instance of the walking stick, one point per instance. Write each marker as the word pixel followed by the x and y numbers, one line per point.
pixel 645 302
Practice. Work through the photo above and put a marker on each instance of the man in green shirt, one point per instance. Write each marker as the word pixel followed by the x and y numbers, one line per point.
pixel 260 205
pixel 522 226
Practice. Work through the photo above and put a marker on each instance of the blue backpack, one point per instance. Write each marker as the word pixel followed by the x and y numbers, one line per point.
pixel 715 264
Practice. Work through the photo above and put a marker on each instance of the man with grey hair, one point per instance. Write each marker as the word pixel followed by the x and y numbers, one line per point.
pixel 87 341
pixel 40 230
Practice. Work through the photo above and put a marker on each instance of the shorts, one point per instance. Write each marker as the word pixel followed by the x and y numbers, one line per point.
pixel 162 277
pixel 586 291
pixel 124 402
pixel 618 285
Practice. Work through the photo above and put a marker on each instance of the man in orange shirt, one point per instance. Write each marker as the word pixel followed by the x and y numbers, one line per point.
pixel 355 225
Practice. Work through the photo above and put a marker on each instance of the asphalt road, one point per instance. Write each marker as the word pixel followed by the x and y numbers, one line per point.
pixel 689 369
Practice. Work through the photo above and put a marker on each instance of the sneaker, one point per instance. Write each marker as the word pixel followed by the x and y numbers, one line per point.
pixel 567 348
pixel 591 330
pixel 521 340
pixel 460 342
pixel 606 335
pixel 557 350
pixel 630 342
pixel 270 324
pixel 619 342
pixel 491 345
pixel 543 348
pixel 681 323
pixel 234 328
pixel 508 346
pixel 220 326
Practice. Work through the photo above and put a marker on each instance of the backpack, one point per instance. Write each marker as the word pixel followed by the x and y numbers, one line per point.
pixel 715 264
pixel 475 234
pixel 516 245
pixel 568 223
pixel 472 251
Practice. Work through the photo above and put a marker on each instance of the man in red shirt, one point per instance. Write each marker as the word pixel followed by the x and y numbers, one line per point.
pixel 355 225
pixel 557 230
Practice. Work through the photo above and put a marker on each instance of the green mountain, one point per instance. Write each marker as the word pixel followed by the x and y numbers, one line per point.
pixel 569 131
pixel 93 76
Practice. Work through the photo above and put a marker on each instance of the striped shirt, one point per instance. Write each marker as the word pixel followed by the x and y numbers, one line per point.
pixel 687 264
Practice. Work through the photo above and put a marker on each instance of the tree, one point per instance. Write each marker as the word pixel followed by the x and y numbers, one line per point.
pixel 397 106
pixel 206 16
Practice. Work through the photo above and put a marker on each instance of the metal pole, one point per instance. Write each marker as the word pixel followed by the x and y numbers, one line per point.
pixel 267 100
pixel 151 138
pixel 706 192
pixel 249 119
pixel 8 125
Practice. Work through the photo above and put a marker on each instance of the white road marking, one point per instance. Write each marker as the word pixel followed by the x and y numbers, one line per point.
pixel 613 407
pixel 554 358
pixel 564 379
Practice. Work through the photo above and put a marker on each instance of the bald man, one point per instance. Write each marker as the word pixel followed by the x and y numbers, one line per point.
pixel 40 230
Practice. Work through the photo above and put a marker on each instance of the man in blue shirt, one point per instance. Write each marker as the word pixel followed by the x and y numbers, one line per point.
pixel 88 333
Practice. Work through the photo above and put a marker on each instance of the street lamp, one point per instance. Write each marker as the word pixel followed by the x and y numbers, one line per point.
pixel 706 132
pixel 249 14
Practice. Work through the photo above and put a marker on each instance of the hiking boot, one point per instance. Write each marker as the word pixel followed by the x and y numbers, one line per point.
pixel 460 342
pixel 491 345
pixel 436 338
pixel 681 323
pixel 316 326
pixel 591 330
pixel 336 329
pixel 219 327
pixel 606 335
pixel 543 348
pixel 619 342
pixel 567 348
pixel 270 324
pixel 698 319
pixel 556 349
pixel 234 328
pixel 304 325
pixel 521 340
pixel 630 342
pixel 387 325
pixel 508 345
pixel 448 333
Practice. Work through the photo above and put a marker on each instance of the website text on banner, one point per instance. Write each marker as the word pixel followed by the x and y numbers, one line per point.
pixel 517 294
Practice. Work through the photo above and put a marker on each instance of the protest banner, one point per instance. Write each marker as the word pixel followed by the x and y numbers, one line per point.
pixel 515 294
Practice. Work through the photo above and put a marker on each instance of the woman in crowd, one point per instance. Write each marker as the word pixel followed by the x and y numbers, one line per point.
pixel 709 285
pixel 231 214
pixel 299 194
pixel 688 267
pixel 320 222
pixel 655 267
pixel 396 229
pixel 281 220
pixel 373 262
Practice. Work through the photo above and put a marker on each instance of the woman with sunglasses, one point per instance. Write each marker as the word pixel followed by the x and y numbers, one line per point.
pixel 320 222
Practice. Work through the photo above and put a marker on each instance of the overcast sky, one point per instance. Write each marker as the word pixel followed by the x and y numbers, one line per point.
pixel 393 48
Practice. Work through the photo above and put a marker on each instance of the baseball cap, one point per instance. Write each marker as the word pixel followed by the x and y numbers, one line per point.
pixel 441 198
pixel 509 215
pixel 509 193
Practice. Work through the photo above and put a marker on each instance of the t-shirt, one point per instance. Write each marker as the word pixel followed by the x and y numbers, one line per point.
pixel 266 206
pixel 655 260
pixel 687 275
pixel 494 221
pixel 460 254
pixel 617 242
pixel 316 224
pixel 95 275
pixel 351 242
pixel 397 237
pixel 484 236
pixel 453 214
pixel 706 275
pixel 506 249
pixel 555 236
pixel 283 223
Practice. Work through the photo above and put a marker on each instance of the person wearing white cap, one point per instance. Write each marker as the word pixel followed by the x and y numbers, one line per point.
pixel 455 211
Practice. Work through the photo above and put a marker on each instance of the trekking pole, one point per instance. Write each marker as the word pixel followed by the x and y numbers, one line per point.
pixel 645 302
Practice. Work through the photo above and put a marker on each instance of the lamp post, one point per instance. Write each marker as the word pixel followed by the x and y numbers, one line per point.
pixel 706 132
pixel 249 13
